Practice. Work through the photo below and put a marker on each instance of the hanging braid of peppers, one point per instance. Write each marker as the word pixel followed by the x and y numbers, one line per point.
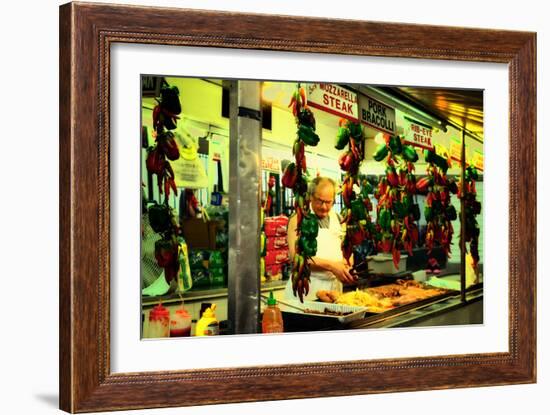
pixel 438 211
pixel 473 208
pixel 161 216
pixel 165 116
pixel 396 209
pixel 356 206
pixel 270 195
pixel 295 178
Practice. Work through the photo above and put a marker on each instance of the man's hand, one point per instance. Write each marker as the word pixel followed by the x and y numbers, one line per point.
pixel 342 272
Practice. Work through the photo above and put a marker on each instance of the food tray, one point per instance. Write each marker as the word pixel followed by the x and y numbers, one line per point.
pixel 356 311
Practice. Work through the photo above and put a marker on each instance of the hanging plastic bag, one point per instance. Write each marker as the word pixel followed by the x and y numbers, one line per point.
pixel 189 169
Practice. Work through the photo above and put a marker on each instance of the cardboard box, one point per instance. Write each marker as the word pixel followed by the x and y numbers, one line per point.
pixel 200 234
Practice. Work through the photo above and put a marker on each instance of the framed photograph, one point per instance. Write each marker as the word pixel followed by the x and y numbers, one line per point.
pixel 243 194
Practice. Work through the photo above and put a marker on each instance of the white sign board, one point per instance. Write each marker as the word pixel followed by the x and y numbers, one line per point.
pixel 377 115
pixel 333 99
pixel 419 136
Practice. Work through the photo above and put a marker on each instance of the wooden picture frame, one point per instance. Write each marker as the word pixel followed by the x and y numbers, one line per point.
pixel 86 33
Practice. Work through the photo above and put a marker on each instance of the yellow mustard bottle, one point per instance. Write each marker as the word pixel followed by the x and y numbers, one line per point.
pixel 208 325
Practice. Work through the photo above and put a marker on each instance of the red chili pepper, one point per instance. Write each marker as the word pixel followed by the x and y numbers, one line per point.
pixel 156 117
pixel 173 186
pixel 303 96
pixel 402 178
pixel 346 161
pixel 290 176
pixel 292 103
pixel 169 145
pixel 155 161
pixel 166 188
pixel 423 184
pixel 391 175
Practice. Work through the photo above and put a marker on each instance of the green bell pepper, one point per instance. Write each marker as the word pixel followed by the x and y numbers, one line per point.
pixel 355 130
pixel 308 135
pixel 310 226
pixel 428 213
pixel 384 218
pixel 342 138
pixel 409 154
pixel 308 246
pixel 358 209
pixel 395 145
pixel 381 152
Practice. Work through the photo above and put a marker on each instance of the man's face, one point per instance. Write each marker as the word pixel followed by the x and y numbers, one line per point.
pixel 322 200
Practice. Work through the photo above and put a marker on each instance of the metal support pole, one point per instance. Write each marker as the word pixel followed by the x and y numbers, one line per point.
pixel 244 206
pixel 462 222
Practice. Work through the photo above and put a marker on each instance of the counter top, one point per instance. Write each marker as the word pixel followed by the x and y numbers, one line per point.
pixel 201 294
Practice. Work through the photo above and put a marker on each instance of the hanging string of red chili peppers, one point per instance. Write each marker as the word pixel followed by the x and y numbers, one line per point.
pixel 165 116
pixel 161 217
pixel 473 208
pixel 357 206
pixel 396 209
pixel 438 211
pixel 295 178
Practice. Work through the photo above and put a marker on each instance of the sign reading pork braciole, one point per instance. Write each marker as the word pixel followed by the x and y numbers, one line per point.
pixel 377 115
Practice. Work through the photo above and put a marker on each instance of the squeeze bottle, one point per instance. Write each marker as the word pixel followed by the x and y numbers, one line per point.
pixel 180 323
pixel 159 322
pixel 208 325
pixel 272 319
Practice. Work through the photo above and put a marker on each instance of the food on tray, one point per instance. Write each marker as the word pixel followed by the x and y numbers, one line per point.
pixel 328 312
pixel 405 292
pixel 328 296
pixel 365 299
pixel 382 298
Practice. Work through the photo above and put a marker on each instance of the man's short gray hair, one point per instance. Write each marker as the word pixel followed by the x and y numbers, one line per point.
pixel 320 181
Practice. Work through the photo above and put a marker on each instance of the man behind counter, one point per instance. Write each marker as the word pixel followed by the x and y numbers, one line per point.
pixel 328 267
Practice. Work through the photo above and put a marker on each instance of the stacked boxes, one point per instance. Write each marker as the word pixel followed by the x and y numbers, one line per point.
pixel 276 247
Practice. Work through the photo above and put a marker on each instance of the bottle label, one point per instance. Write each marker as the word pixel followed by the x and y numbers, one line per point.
pixel 273 327
pixel 213 329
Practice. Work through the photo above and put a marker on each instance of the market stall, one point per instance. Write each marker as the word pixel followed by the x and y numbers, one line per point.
pixel 407 189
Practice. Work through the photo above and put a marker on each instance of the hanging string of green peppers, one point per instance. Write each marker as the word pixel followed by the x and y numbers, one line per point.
pixel 473 208
pixel 396 209
pixel 356 214
pixel 438 211
pixel 295 178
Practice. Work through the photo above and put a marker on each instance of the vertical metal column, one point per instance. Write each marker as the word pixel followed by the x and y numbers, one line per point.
pixel 244 206
pixel 462 222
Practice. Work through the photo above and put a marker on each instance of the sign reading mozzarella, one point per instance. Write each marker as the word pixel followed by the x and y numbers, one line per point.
pixel 333 99
pixel 419 136
pixel 377 115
